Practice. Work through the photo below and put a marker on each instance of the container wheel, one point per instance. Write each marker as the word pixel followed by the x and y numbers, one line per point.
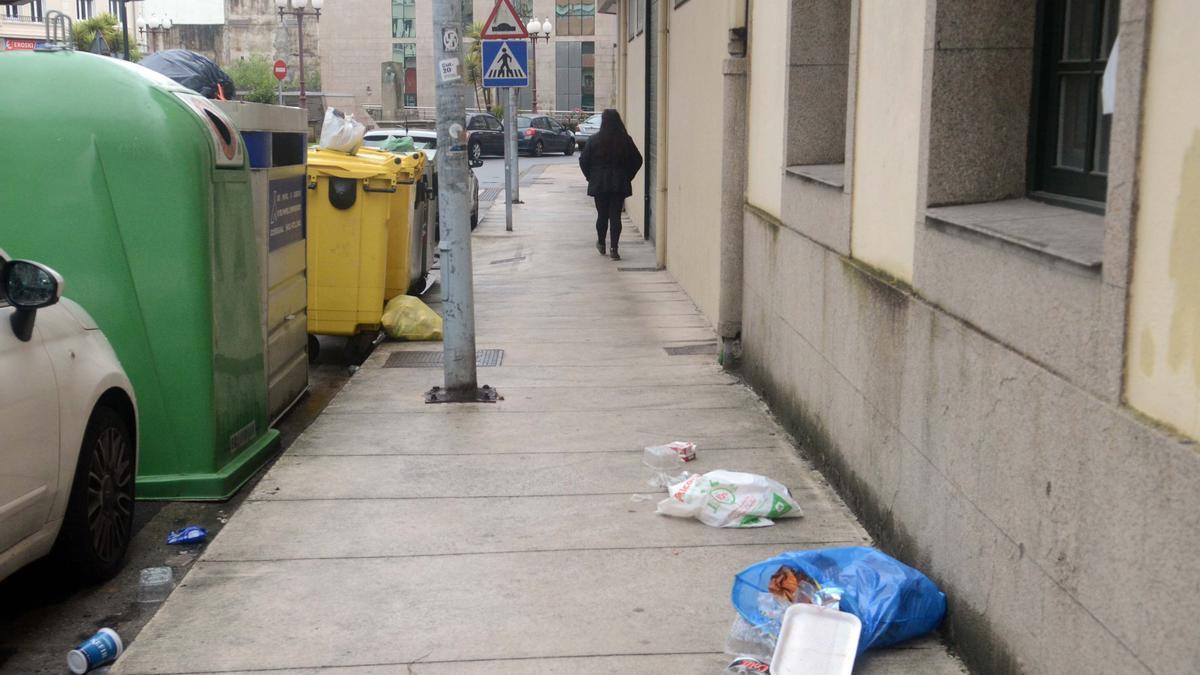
pixel 359 347
pixel 314 348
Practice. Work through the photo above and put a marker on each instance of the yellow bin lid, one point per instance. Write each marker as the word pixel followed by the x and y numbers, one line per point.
pixel 408 166
pixel 361 165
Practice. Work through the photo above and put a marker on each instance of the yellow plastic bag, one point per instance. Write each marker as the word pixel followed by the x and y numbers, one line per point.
pixel 407 318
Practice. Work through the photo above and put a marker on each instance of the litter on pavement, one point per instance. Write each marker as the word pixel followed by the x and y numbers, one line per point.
pixel 893 601
pixel 407 318
pixel 667 462
pixel 188 535
pixel 155 584
pixel 103 647
pixel 816 640
pixel 730 499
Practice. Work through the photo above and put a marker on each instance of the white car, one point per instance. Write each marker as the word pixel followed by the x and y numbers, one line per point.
pixel 587 129
pixel 68 431
pixel 425 140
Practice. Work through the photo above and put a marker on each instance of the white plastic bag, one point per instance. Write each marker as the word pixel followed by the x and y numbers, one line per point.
pixel 730 499
pixel 341 133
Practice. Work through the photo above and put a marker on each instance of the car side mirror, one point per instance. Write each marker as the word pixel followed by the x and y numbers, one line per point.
pixel 475 163
pixel 29 287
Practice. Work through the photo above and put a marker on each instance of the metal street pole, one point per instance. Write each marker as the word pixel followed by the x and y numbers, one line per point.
pixel 458 302
pixel 533 69
pixel 510 140
pixel 303 94
pixel 125 26
pixel 508 159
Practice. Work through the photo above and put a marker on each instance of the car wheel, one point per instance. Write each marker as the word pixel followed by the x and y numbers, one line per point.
pixel 476 151
pixel 570 149
pixel 98 525
pixel 475 219
pixel 538 148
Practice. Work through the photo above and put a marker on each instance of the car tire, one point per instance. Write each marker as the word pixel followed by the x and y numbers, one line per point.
pixel 570 149
pixel 475 151
pixel 474 219
pixel 539 148
pixel 98 524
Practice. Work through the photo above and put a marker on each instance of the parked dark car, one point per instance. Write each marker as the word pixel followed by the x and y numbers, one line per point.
pixel 485 135
pixel 538 134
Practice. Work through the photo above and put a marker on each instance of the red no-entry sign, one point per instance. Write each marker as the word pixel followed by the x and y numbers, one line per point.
pixel 280 70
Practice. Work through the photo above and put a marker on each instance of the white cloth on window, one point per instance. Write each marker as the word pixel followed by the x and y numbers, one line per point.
pixel 1108 88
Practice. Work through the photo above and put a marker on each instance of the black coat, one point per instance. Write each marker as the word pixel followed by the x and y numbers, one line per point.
pixel 609 178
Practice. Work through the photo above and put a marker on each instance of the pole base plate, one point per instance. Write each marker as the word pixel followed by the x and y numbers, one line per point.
pixel 484 394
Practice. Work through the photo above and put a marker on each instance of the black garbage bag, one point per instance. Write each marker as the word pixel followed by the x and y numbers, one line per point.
pixel 192 70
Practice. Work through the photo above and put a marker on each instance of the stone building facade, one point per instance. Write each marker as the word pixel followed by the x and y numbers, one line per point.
pixel 229 30
pixel 964 273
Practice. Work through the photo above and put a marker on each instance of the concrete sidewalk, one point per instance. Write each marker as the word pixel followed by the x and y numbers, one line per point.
pixel 396 536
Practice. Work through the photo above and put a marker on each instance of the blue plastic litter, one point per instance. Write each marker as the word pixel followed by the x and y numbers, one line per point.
pixel 894 601
pixel 188 535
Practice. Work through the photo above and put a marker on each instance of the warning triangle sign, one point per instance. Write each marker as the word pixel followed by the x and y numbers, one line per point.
pixel 505 66
pixel 504 24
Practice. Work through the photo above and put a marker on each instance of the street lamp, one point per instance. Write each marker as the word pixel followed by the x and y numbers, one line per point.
pixel 300 11
pixel 155 25
pixel 538 30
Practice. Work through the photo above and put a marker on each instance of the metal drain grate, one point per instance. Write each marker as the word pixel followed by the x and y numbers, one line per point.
pixel 703 349
pixel 637 269
pixel 484 358
pixel 490 194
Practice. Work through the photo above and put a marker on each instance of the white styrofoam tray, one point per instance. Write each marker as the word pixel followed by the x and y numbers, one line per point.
pixel 816 641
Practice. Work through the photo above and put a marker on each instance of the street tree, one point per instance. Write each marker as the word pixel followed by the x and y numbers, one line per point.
pixel 108 27
pixel 254 78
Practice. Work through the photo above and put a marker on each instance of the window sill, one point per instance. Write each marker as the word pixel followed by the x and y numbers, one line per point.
pixel 1054 231
pixel 828 175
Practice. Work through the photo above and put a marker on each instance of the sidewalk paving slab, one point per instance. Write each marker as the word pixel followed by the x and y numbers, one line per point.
pixel 400 537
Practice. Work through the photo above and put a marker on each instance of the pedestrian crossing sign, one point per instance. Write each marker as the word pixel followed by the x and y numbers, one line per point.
pixel 505 63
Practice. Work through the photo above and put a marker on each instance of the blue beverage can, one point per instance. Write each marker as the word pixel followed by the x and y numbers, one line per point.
pixel 103 647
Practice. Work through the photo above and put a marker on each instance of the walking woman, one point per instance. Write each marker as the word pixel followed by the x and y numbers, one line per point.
pixel 609 161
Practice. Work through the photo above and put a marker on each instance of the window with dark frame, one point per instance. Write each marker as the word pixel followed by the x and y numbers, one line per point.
pixel 1070 146
pixel 83 9
pixel 404 14
pixel 12 11
pixel 405 53
pixel 575 17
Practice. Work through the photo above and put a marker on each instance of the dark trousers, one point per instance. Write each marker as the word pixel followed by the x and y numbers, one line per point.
pixel 608 217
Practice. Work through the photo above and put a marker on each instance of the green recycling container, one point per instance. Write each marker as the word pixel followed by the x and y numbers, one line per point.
pixel 136 190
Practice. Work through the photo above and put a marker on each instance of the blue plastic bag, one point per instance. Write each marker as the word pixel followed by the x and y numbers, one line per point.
pixel 894 601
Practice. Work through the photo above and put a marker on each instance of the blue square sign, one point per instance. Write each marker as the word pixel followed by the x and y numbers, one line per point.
pixel 505 63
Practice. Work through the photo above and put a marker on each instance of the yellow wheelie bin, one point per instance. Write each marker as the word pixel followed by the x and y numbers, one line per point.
pixel 349 204
pixel 406 263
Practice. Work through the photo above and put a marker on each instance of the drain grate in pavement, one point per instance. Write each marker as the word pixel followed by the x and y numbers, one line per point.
pixel 507 260
pixel 484 358
pixel 637 269
pixel 490 194
pixel 702 349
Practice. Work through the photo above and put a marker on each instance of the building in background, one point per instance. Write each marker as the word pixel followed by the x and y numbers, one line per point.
pixel 969 287
pixel 229 30
pixel 23 26
pixel 575 70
